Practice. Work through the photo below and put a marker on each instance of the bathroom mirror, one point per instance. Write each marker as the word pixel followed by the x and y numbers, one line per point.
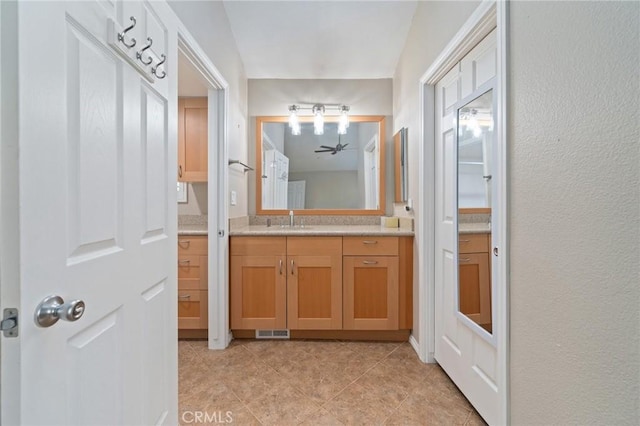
pixel 475 137
pixel 401 168
pixel 320 174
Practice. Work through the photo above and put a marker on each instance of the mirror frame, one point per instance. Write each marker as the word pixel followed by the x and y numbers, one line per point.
pixel 328 119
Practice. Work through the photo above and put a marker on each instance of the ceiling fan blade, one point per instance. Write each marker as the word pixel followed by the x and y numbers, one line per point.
pixel 327 147
pixel 334 152
pixel 325 150
pixel 345 145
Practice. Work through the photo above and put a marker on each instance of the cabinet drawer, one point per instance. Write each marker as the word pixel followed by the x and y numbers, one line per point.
pixel 192 273
pixel 191 245
pixel 473 243
pixel 370 246
pixel 192 309
pixel 258 246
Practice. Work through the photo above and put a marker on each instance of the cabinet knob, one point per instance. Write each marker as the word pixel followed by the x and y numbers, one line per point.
pixel 292 266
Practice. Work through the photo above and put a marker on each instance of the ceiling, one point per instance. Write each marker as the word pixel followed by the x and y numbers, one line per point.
pixel 320 39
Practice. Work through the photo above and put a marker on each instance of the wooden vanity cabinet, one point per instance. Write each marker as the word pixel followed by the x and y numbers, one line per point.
pixel 192 139
pixel 475 277
pixel 314 283
pixel 317 284
pixel 258 281
pixel 192 283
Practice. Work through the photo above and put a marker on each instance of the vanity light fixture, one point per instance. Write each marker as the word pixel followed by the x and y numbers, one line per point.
pixel 318 111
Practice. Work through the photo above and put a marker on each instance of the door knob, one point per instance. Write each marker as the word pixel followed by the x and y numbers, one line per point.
pixel 53 308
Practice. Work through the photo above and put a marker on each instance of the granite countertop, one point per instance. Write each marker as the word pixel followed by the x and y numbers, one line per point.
pixel 474 228
pixel 193 229
pixel 318 230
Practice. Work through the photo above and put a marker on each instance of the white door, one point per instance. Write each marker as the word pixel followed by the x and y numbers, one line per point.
pixel 97 218
pixel 466 353
pixel 282 180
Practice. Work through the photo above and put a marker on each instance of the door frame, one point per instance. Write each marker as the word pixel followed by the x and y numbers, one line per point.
pixel 219 334
pixel 9 210
pixel 489 14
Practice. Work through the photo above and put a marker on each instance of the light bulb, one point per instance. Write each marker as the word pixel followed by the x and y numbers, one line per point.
pixel 318 119
pixel 295 129
pixel 293 116
pixel 343 124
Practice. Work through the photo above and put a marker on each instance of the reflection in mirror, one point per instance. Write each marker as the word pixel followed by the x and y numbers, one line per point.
pixel 401 174
pixel 475 140
pixel 319 172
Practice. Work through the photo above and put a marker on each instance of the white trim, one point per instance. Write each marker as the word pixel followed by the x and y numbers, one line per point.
pixel 218 297
pixel 502 171
pixel 479 24
pixel 415 345
pixel 488 15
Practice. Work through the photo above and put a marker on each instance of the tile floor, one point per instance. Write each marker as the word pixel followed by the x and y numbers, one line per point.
pixel 269 382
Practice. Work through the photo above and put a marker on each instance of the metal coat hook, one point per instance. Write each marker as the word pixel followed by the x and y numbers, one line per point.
pixel 139 54
pixel 155 69
pixel 129 28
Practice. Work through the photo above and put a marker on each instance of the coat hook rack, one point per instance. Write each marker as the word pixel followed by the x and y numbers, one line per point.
pixel 246 168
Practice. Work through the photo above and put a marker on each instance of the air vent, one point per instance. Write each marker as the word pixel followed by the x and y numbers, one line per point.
pixel 272 334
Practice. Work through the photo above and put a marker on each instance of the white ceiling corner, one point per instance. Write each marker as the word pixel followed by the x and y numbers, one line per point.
pixel 320 39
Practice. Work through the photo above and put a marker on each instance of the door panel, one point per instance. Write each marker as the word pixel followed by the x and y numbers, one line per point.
pixel 95 204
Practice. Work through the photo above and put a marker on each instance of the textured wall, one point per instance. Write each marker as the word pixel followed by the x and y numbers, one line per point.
pixel 207 22
pixel 574 195
pixel 434 24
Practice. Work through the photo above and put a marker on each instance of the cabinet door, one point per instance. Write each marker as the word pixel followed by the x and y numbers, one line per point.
pixel 314 292
pixel 370 293
pixel 475 287
pixel 192 139
pixel 258 292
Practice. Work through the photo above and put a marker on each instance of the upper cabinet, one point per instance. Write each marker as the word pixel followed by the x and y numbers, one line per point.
pixel 192 139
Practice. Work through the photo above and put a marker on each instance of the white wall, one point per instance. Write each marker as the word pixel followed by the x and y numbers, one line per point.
pixel 329 190
pixel 197 200
pixel 269 97
pixel 574 212
pixel 434 24
pixel 208 23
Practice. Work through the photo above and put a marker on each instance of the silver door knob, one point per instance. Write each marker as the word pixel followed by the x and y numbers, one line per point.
pixel 53 308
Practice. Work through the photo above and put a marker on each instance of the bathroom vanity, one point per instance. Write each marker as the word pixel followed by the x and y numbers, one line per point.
pixel 322 281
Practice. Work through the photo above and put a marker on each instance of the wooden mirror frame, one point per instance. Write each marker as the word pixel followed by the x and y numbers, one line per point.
pixel 328 119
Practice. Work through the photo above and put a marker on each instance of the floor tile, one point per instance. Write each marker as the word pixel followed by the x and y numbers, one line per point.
pixel 265 382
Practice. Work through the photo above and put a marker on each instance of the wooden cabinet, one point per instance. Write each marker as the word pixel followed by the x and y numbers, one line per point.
pixel 475 278
pixel 370 283
pixel 192 139
pixel 192 283
pixel 321 283
pixel 314 283
pixel 258 281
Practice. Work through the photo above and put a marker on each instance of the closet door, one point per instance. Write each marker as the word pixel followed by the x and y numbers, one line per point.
pixel 465 350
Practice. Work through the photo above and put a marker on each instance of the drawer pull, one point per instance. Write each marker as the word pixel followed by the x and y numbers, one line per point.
pixel 369 242
pixel 464 241
pixel 184 296
pixel 184 243
pixel 184 262
pixel 464 259
pixel 292 266
pixel 280 266
pixel 370 262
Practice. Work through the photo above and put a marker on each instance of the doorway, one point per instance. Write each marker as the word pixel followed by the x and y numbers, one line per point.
pixel 203 79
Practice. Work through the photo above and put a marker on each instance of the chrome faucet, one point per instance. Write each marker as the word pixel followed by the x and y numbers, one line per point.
pixel 291 219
